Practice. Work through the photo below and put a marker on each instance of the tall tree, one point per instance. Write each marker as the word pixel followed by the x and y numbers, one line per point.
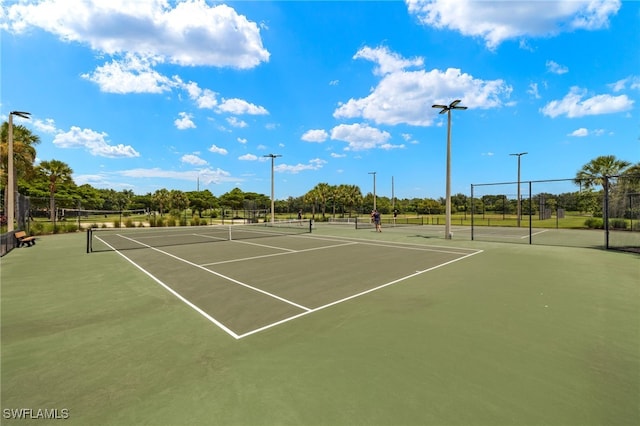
pixel 161 199
pixel 57 173
pixel 353 197
pixel 311 197
pixel 595 171
pixel 24 152
pixel 323 191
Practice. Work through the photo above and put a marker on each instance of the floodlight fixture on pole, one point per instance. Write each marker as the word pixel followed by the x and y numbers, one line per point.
pixel 447 109
pixel 273 157
pixel 11 184
pixel 374 189
pixel 519 213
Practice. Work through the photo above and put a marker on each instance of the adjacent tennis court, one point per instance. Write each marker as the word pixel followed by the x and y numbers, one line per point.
pixel 248 278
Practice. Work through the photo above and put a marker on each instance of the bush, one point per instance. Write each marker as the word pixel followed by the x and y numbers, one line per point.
pixel 36 228
pixel 171 221
pixel 594 223
pixel 618 224
pixel 195 221
pixel 116 223
pixel 128 223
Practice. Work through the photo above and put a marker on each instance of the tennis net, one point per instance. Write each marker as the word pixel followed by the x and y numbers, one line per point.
pixel 367 223
pixel 107 239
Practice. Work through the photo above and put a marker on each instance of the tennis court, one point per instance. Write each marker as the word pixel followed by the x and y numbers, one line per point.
pixel 336 326
pixel 248 278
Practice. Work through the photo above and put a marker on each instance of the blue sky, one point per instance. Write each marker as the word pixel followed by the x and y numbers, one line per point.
pixel 152 94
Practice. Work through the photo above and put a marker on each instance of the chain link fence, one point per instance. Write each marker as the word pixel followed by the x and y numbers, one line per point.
pixel 566 212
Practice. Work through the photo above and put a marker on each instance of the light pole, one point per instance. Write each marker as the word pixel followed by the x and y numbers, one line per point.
pixel 520 154
pixel 447 109
pixel 374 188
pixel 273 157
pixel 10 172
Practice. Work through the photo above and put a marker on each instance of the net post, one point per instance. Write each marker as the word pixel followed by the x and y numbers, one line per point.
pixel 310 225
pixel 472 211
pixel 89 240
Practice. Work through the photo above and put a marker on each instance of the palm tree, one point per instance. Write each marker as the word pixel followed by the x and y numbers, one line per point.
pixel 352 196
pixel 311 197
pixel 161 199
pixel 23 151
pixel 323 190
pixel 599 170
pixel 56 173
pixel 603 170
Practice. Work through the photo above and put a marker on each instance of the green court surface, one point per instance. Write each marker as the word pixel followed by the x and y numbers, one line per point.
pixel 336 327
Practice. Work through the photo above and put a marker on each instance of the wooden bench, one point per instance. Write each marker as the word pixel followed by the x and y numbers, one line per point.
pixel 23 239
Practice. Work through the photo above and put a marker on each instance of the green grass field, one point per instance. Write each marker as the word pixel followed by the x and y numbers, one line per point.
pixel 514 335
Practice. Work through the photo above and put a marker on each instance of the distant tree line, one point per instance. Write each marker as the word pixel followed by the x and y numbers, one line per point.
pixel 50 186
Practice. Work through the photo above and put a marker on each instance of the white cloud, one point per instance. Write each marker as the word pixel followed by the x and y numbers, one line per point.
pixel 336 155
pixel 218 150
pixel 533 90
pixel 409 138
pixel 314 164
pixel 573 105
pixel 360 137
pixel 130 75
pixel 190 33
pixel 388 62
pixel 193 160
pixel 496 22
pixel 248 157
pixel 206 176
pixel 555 68
pixel 318 135
pixel 240 106
pixel 93 142
pixel 633 82
pixel 242 140
pixel 406 97
pixel 581 132
pixel 184 122
pixel 46 126
pixel 233 121
pixel 204 98
pixel 388 146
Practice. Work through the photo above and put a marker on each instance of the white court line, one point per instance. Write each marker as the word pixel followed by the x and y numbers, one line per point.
pixel 277 254
pixel 175 293
pixel 262 245
pixel 355 295
pixel 535 233
pixel 392 244
pixel 282 299
pixel 305 309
